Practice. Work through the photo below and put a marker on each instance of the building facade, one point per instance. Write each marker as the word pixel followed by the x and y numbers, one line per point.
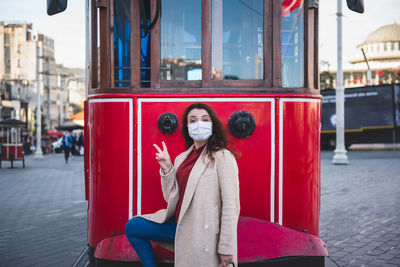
pixel 382 52
pixel 18 77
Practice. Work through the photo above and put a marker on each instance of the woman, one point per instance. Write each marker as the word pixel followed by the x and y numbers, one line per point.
pixel 202 191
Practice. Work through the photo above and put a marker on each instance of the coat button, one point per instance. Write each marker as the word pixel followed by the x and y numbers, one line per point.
pixel 206 250
pixel 205 227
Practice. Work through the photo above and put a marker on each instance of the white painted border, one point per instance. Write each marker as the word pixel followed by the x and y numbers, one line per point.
pixel 205 99
pixel 139 158
pixel 130 101
pixel 272 185
pixel 280 171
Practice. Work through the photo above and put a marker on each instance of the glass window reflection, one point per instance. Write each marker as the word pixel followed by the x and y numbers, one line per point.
pixel 122 43
pixel 181 40
pixel 237 39
pixel 292 43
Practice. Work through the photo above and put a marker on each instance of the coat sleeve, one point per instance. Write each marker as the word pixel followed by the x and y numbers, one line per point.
pixel 228 178
pixel 168 182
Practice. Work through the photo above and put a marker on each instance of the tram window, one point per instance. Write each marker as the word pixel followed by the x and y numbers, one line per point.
pixel 145 51
pixel 122 43
pixel 292 43
pixel 96 81
pixel 181 40
pixel 237 39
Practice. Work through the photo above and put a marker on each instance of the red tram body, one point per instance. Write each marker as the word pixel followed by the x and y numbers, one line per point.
pixel 282 186
pixel 258 57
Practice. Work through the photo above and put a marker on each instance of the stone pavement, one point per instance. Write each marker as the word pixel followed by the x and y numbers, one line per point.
pixel 42 212
pixel 360 208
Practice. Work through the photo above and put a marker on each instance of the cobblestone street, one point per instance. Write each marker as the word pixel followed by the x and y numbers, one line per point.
pixel 43 211
pixel 360 208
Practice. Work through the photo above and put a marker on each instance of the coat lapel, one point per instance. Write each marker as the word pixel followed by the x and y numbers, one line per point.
pixel 193 179
pixel 183 157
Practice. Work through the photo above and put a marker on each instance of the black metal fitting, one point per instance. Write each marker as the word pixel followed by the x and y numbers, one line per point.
pixel 168 123
pixel 241 124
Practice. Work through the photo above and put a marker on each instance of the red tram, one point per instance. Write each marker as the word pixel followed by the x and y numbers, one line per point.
pixel 12 148
pixel 255 62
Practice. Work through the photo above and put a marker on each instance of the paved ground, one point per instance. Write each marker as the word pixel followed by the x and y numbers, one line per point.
pixel 43 212
pixel 360 208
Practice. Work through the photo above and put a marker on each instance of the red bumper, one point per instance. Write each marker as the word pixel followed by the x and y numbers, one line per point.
pixel 257 240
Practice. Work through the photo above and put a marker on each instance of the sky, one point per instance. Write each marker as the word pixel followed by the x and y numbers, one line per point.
pixel 356 28
pixel 68 28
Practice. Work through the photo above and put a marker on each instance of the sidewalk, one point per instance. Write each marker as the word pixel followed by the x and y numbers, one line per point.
pixel 43 212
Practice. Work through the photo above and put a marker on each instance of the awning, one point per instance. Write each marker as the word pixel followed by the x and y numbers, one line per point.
pixel 69 126
pixel 8 123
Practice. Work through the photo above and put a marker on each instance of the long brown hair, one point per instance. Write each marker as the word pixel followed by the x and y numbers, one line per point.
pixel 219 139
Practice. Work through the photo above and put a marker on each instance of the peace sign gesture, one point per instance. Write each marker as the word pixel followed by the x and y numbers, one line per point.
pixel 163 158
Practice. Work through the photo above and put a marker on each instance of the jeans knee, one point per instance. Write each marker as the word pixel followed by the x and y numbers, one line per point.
pixel 132 226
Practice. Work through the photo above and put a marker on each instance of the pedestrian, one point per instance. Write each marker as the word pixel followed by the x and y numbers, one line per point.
pixel 1 148
pixel 73 145
pixel 67 144
pixel 202 191
pixel 80 144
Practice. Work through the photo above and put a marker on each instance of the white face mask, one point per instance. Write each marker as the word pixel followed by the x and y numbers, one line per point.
pixel 200 131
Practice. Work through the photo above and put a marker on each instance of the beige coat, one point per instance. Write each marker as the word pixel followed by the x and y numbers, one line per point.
pixel 207 224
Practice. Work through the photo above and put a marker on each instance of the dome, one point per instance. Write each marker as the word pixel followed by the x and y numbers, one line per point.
pixel 388 33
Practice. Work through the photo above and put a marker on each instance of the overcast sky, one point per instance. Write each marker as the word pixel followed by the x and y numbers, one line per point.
pixel 68 28
pixel 356 27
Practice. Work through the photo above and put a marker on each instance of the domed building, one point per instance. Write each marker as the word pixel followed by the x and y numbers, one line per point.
pixel 382 50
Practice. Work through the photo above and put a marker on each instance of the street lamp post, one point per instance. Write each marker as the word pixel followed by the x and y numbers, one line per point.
pixel 340 156
pixel 38 153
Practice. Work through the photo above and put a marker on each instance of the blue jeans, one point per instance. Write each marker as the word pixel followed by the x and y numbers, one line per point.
pixel 140 231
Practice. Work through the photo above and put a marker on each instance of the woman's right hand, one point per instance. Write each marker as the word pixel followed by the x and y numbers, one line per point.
pixel 163 158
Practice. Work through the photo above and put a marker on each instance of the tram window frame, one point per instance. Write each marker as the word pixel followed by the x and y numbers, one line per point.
pixel 300 11
pixel 180 36
pixel 207 81
pixel 272 65
pixel 237 40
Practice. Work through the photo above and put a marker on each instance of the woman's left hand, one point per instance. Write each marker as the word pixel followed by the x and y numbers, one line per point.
pixel 225 260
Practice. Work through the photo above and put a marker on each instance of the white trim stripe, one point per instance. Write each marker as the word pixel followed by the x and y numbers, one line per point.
pixel 111 100
pixel 280 171
pixel 299 100
pixel 204 99
pixel 280 181
pixel 130 158
pixel 139 158
pixel 272 185
pixel 130 177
